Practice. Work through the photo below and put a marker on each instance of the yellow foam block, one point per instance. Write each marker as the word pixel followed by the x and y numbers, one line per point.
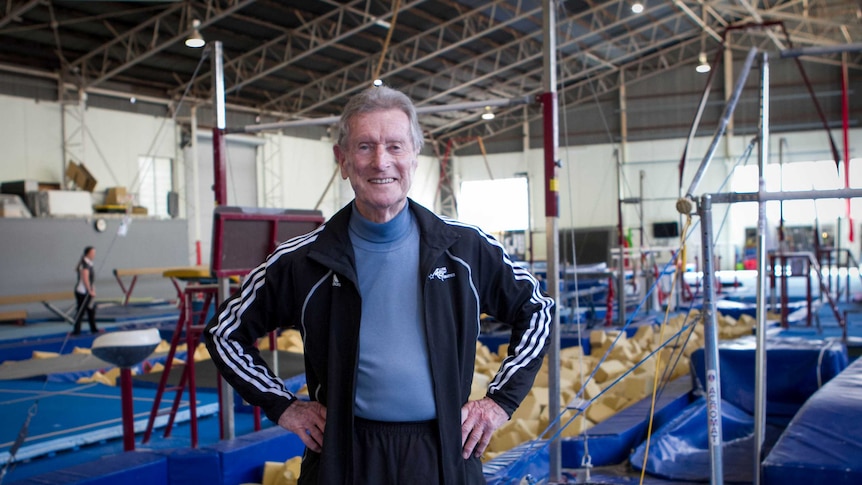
pixel 201 353
pixel 575 427
pixel 644 334
pixel 647 366
pixel 505 438
pixel 263 343
pixel 624 351
pixel 479 387
pixel 503 350
pixel 96 377
pixel 83 351
pixel 287 473
pixel 567 395
pixel 41 354
pixel 598 351
pixel 573 352
pixel 599 411
pixel 571 376
pixel 541 379
pixel 294 465
pixel 163 347
pixel 693 344
pixel 609 369
pixel 157 367
pixel 637 386
pixel 616 402
pixel 541 395
pixel 528 429
pixel 725 321
pixel 682 368
pixel 489 455
pixel 598 338
pixel 592 389
pixel 112 375
pixel 529 409
pixel 271 470
pixel 288 339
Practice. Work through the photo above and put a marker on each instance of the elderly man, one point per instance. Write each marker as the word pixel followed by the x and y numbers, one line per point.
pixel 387 297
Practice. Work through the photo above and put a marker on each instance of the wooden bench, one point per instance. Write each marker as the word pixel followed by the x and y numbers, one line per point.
pixel 18 316
pixel 120 273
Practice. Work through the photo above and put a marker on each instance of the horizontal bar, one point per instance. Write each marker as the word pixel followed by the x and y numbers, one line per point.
pixel 733 197
pixel 820 50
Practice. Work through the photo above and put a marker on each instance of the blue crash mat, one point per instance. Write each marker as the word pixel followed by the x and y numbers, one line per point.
pixel 679 450
pixel 795 368
pixel 823 443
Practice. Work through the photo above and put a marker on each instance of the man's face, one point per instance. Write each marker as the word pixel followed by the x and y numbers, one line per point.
pixel 379 160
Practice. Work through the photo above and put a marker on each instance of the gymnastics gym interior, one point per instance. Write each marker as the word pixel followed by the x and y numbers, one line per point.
pixel 682 177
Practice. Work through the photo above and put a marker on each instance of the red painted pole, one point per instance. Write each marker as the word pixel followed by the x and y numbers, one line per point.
pixel 219 172
pixel 549 125
pixel 128 409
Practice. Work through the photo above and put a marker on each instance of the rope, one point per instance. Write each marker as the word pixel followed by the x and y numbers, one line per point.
pixel 396 4
pixel 136 182
pixel 485 156
pixel 684 206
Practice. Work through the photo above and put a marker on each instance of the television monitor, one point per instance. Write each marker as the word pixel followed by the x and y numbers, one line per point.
pixel 664 230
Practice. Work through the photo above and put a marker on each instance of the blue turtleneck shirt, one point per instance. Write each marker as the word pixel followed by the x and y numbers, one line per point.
pixel 393 380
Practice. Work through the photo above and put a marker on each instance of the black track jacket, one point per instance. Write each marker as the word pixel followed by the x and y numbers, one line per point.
pixel 309 283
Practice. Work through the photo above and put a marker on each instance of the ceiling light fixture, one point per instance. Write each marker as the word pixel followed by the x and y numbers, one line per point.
pixel 637 7
pixel 378 82
pixel 487 114
pixel 702 65
pixel 195 40
pixel 383 23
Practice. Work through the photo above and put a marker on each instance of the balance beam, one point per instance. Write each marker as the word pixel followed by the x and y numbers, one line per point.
pixel 17 316
pixel 36 298
pixel 120 273
pixel 43 298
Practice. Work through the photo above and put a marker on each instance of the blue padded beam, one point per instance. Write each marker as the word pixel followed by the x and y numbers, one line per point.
pixel 131 468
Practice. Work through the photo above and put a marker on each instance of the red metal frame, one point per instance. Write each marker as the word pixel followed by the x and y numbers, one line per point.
pixel 190 325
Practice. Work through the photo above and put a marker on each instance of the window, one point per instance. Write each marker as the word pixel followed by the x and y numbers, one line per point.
pixel 156 175
pixel 495 205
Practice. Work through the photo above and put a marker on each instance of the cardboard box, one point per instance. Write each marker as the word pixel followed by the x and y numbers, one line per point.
pixel 117 196
pixel 80 176
pixel 138 210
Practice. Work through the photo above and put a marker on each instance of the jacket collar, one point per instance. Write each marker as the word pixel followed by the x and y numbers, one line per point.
pixel 333 247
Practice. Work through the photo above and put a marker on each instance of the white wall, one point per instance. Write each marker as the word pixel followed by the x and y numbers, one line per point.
pixel 32 139
pixel 293 172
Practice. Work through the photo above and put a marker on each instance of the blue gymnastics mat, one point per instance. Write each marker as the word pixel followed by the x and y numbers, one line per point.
pixel 67 415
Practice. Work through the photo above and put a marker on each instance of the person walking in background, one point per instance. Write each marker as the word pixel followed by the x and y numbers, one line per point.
pixel 85 291
pixel 387 297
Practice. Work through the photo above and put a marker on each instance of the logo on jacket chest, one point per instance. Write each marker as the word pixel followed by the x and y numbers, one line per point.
pixel 441 274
